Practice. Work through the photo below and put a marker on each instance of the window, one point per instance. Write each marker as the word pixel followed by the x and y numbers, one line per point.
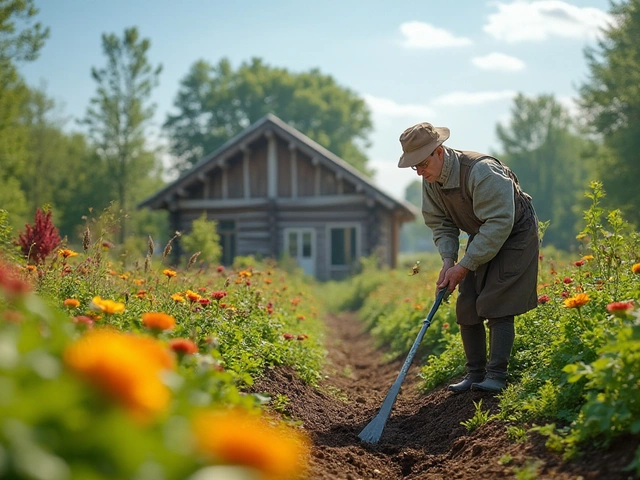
pixel 227 232
pixel 343 246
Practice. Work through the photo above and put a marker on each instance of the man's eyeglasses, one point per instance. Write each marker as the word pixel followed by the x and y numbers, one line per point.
pixel 422 164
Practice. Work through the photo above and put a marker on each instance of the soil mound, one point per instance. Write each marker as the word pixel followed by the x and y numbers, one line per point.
pixel 423 438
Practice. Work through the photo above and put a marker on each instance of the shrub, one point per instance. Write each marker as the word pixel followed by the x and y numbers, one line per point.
pixel 39 240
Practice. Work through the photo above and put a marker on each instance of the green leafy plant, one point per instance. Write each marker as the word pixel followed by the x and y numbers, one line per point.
pixel 480 417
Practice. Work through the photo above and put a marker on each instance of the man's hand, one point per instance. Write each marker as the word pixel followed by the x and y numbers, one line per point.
pixel 451 275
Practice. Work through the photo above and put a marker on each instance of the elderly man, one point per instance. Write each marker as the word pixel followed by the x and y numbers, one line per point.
pixel 497 275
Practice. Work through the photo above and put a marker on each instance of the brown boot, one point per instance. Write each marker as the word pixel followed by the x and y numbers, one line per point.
pixel 475 348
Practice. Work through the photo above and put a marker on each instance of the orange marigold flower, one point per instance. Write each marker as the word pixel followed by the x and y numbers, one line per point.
pixel 192 296
pixel 66 253
pixel 300 317
pixel 107 306
pixel 158 321
pixel 577 301
pixel 245 273
pixel 635 268
pixel 71 303
pixel 31 268
pixel 141 293
pixel 239 438
pixel 177 297
pixel 125 367
pixel 619 309
pixel 138 281
pixel 183 346
pixel 169 273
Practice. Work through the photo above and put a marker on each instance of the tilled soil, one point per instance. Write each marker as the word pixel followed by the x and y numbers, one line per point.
pixel 423 438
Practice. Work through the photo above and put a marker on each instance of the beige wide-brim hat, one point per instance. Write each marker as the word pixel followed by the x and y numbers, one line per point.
pixel 419 141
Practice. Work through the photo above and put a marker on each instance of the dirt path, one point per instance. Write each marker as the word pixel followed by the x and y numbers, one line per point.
pixel 423 438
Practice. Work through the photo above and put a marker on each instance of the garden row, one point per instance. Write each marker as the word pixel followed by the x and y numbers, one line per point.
pixel 109 371
pixel 575 368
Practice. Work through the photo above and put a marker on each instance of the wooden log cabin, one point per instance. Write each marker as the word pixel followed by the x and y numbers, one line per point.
pixel 275 192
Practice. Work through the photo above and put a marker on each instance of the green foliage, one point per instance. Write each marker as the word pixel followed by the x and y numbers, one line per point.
pixel 203 238
pixel 264 318
pixel 124 85
pixel 611 105
pixel 6 237
pixel 480 417
pixel 540 141
pixel 216 102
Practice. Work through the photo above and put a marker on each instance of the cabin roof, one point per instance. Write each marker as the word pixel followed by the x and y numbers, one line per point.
pixel 271 123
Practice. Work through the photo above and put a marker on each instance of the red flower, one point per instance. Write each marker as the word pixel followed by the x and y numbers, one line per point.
pixel 568 280
pixel 542 299
pixel 287 336
pixel 565 294
pixel 445 326
pixel 204 302
pixel 218 295
pixel 220 269
pixel 619 309
pixel 39 240
pixel 183 346
pixel 579 263
pixel 11 282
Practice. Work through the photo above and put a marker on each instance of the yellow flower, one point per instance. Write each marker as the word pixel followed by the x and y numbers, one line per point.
pixel 66 253
pixel 177 297
pixel 635 268
pixel 239 438
pixel 125 367
pixel 107 306
pixel 245 273
pixel 158 320
pixel 577 300
pixel 586 258
pixel 169 273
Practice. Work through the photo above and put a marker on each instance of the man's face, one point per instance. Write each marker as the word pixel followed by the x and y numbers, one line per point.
pixel 431 167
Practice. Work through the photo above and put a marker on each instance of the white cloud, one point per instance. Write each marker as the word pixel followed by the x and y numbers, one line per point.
pixel 521 21
pixel 389 108
pixel 461 99
pixel 498 62
pixel 425 36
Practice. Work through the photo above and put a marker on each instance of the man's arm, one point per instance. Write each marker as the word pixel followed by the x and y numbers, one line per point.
pixel 493 203
pixel 445 233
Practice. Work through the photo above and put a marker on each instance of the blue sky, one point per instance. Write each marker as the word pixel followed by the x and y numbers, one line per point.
pixel 453 63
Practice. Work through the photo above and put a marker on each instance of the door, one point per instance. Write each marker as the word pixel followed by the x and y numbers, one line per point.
pixel 300 245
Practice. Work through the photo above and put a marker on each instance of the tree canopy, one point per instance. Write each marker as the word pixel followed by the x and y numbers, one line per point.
pixel 610 100
pixel 541 146
pixel 216 102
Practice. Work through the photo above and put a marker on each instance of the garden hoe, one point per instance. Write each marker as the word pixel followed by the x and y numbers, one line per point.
pixel 372 432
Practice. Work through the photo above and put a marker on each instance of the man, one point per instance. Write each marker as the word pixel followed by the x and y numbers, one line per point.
pixel 497 276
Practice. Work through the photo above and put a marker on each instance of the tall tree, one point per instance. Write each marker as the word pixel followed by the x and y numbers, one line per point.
pixel 120 112
pixel 610 99
pixel 217 102
pixel 542 148
pixel 20 41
